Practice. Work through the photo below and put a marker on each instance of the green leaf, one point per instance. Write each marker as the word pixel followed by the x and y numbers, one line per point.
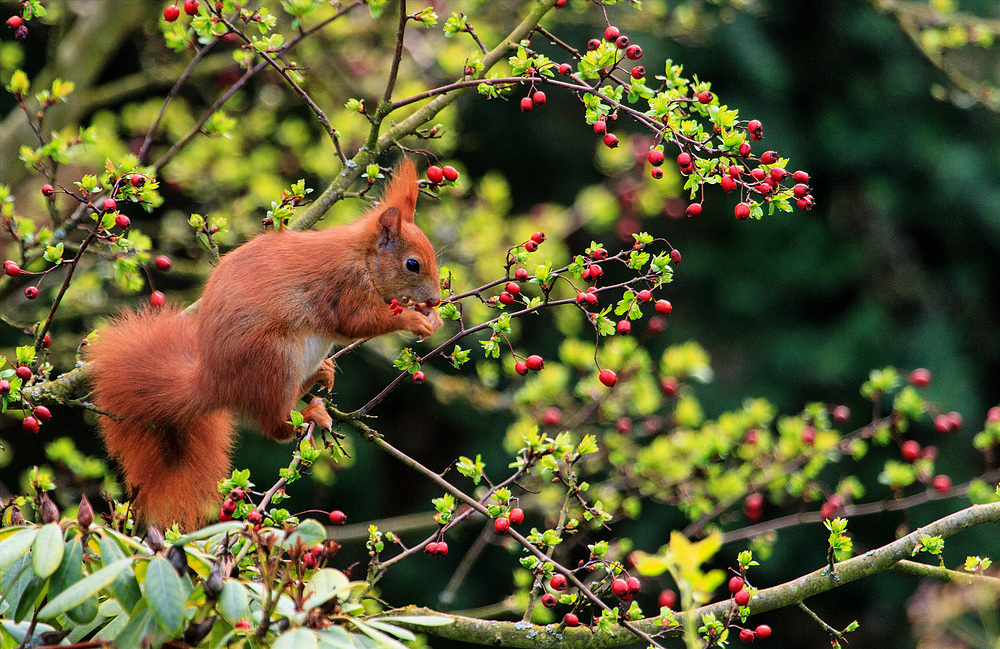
pixel 47 550
pixel 297 639
pixel 211 530
pixel 70 568
pixel 324 585
pixel 164 594
pixel 234 601
pixel 29 597
pixel 14 546
pixel 309 532
pixel 83 590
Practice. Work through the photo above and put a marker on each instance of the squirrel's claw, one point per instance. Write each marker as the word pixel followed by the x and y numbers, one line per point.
pixel 316 413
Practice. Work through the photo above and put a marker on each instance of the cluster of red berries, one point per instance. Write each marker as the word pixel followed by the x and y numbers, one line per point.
pixel 436 548
pixel 172 12
pixel 229 505
pixel 537 98
pixel 763 632
pixel 436 174
pixel 753 507
pixel 502 523
pixel 739 592
pixel 313 556
pixel 623 588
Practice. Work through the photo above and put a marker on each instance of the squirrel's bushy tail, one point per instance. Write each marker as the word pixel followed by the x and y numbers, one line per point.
pixel 172 444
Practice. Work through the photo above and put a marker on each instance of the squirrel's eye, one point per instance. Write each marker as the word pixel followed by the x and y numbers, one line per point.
pixel 413 265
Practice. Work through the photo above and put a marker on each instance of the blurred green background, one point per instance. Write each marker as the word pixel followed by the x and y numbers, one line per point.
pixel 898 264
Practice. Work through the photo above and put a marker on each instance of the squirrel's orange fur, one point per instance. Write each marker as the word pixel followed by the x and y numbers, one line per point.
pixel 269 315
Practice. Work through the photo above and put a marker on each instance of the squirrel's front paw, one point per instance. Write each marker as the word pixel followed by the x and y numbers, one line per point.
pixel 422 324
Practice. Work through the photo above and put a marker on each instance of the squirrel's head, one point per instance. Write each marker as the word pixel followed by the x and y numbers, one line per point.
pixel 404 266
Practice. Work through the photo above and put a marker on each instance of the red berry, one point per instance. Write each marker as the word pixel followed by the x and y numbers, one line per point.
pixel 841 414
pixel 633 584
pixel 240 624
pixel 570 619
pixel 622 42
pixel 122 221
pixel 808 435
pixel 14 22
pixel 655 157
pixel 513 288
pixel 23 372
pixel 30 425
pixel 634 52
pixel 758 174
pixel 442 548
pixel 763 631
pixel 530 246
pixel 600 254
pixel 619 587
pixel 742 211
pixel 506 298
pixel 600 126
pixel 942 484
pixel 521 368
pixel 31 292
pixel 47 341
pixel 656 173
pixel 735 585
pixel 431 549
pixel 593 44
pixel 745 148
pixel 667 598
pixel 955 421
pixel 683 160
pixel 828 510
pixel 608 377
pixel 11 269
pixel 800 190
pixel 675 256
pixel 591 298
pixel 753 507
pixel 48 190
pixel 526 104
pixel 42 414
pixel 645 295
pixel 596 271
pixel 309 560
pixel 806 203
pixel 610 140
pixel 910 450
pixel 549 600
pixel 778 174
pixel 742 598
pixel 581 297
pixel 501 525
pixel 746 635
pixel 137 180
pixel 993 415
pixel 624 326
pixel 694 209
pixel 611 34
pixel 225 516
pixel 538 237
pixel 110 205
pixel 157 299
pixel 560 4
pixel 435 174
pixel 516 516
pixel 418 377
pixel 705 97
pixel 769 157
pixel 552 416
pixel 920 378
pixel 558 582
pixel 163 263
pixel 638 72
pixel 565 69
pixel 624 425
pixel 538 97
pixel 942 423
pixel 450 173
pixel 663 306
pixel 229 505
pixel 338 517
pixel 756 130
pixel 534 362
pixel 728 184
pixel 520 274
pixel 190 7
pixel 254 517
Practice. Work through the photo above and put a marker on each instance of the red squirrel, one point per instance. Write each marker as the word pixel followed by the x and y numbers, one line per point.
pixel 269 316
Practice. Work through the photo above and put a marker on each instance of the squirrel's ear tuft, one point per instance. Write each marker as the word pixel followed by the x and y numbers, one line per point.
pixel 401 192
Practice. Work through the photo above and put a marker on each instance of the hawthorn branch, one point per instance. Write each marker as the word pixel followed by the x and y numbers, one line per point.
pixel 892 556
